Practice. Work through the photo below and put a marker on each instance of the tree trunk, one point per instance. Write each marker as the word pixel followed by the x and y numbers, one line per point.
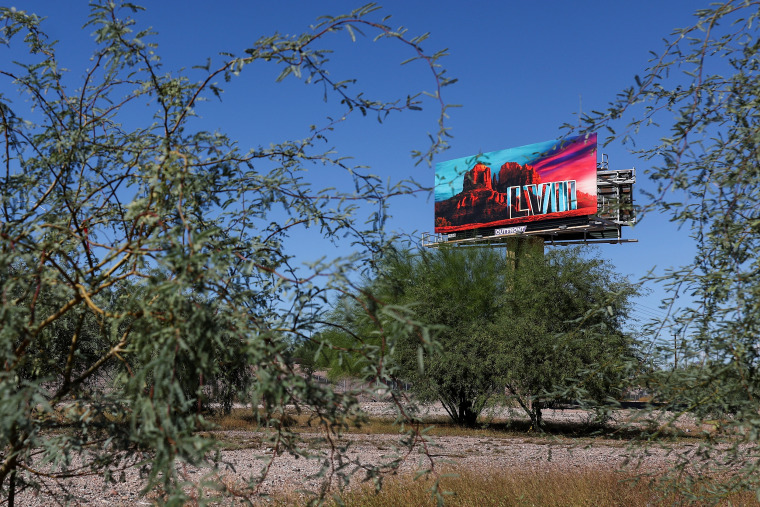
pixel 467 416
pixel 524 246
pixel 533 409
pixel 12 489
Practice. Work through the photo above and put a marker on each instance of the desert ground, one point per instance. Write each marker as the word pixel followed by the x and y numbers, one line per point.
pixel 286 474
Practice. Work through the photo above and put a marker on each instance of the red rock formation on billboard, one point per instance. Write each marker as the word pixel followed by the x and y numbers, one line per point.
pixel 535 182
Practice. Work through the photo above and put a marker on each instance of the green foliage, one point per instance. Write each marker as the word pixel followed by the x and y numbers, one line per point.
pixel 142 260
pixel 524 325
pixel 459 290
pixel 703 88
pixel 561 347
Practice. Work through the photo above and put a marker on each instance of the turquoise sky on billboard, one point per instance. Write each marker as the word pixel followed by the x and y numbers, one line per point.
pixel 449 174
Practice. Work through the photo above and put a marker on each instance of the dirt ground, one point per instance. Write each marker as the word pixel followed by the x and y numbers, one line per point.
pixel 287 473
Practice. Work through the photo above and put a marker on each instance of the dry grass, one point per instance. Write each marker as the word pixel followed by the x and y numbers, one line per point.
pixel 494 486
pixel 246 420
pixel 469 488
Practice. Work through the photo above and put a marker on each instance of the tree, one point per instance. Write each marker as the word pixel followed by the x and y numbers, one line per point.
pixel 141 254
pixel 450 292
pixel 704 89
pixel 555 336
pixel 525 325
pixel 457 290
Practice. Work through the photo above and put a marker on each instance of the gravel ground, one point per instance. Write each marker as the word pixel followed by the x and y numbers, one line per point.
pixel 287 473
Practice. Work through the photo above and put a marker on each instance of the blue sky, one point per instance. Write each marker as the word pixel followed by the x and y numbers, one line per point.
pixel 524 69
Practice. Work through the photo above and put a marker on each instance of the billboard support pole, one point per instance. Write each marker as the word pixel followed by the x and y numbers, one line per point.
pixel 521 246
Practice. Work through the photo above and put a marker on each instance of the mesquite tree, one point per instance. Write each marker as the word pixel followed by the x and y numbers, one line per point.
pixel 142 257
pixel 703 88
pixel 503 327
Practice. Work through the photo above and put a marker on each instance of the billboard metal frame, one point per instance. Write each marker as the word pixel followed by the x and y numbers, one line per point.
pixel 614 211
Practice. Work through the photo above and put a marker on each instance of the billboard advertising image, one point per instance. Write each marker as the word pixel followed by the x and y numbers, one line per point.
pixel 542 181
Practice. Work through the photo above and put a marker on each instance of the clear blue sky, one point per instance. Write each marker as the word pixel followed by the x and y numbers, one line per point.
pixel 524 68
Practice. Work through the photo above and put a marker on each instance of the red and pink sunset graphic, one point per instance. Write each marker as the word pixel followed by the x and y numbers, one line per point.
pixel 542 181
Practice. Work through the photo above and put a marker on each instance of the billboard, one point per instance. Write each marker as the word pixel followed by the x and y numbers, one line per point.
pixel 542 181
